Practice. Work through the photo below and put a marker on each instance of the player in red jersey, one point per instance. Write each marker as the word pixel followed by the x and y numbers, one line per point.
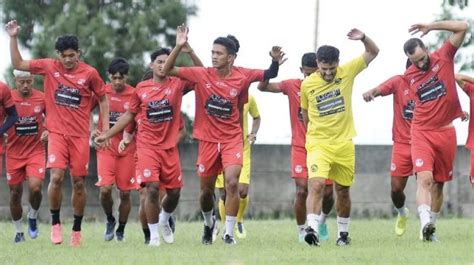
pixel 467 84
pixel 431 79
pixel 299 170
pixel 8 114
pixel 69 87
pixel 221 91
pixel 113 164
pixel 401 166
pixel 156 106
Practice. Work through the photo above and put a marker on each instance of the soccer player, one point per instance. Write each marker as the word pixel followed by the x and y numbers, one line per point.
pixel 431 79
pixel 221 92
pixel 250 108
pixel 156 106
pixel 69 86
pixel 113 164
pixel 299 171
pixel 326 100
pixel 467 84
pixel 401 166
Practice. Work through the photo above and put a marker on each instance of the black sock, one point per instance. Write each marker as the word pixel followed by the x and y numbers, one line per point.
pixel 110 217
pixel 77 223
pixel 121 227
pixel 146 232
pixel 55 216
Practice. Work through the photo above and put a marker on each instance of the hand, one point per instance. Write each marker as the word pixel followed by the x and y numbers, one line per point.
pixel 102 141
pixel 126 140
pixel 12 28
pixel 187 48
pixel 44 136
pixel 252 137
pixel 356 34
pixel 368 96
pixel 423 28
pixel 277 55
pixel 95 133
pixel 465 116
pixel 181 35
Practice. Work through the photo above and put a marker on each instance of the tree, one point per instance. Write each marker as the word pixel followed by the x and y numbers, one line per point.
pixel 105 28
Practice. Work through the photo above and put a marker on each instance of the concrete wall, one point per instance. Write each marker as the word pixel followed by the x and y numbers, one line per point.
pixel 272 189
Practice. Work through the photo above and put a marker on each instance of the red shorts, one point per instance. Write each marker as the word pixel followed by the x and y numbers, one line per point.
pixel 19 169
pixel 214 157
pixel 119 170
pixel 401 165
pixel 298 164
pixel 66 150
pixel 434 151
pixel 155 165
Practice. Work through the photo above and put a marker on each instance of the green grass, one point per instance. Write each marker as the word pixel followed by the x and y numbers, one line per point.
pixel 268 242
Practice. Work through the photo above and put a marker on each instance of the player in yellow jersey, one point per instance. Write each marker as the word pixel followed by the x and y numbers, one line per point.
pixel 244 179
pixel 327 110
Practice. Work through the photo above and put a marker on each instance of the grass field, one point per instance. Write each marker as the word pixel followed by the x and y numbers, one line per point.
pixel 268 242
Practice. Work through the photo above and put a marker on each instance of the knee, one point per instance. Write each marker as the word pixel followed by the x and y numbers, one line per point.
pixel 34 190
pixel 173 194
pixel 15 195
pixel 243 192
pixel 78 185
pixel 105 191
pixel 343 193
pixel 316 186
pixel 301 193
pixel 125 196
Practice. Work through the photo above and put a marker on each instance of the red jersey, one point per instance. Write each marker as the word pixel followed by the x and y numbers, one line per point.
pixel 5 103
pixel 119 103
pixel 24 138
pixel 403 106
pixel 436 100
pixel 68 95
pixel 291 88
pixel 158 110
pixel 218 99
pixel 469 89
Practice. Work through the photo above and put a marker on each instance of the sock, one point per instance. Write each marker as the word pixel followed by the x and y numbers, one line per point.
pixel 164 217
pixel 424 212
pixel 208 218
pixel 222 210
pixel 401 211
pixel 153 231
pixel 322 218
pixel 434 216
pixel 32 213
pixel 242 206
pixel 18 225
pixel 301 229
pixel 229 225
pixel 342 225
pixel 121 227
pixel 77 223
pixel 313 221
pixel 146 232
pixel 110 217
pixel 55 216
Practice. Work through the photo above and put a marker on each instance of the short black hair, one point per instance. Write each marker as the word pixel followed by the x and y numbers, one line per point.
pixel 67 42
pixel 309 60
pixel 411 44
pixel 236 42
pixel 327 54
pixel 118 65
pixel 227 43
pixel 159 52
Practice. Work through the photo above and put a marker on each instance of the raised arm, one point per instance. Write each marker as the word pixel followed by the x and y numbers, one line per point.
pixel 460 79
pixel 371 94
pixel 181 40
pixel 266 86
pixel 18 63
pixel 371 49
pixel 458 28
pixel 277 58
pixel 187 49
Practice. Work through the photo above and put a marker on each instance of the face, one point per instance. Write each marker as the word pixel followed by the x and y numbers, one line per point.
pixel 220 57
pixel 69 58
pixel 24 85
pixel 420 58
pixel 328 70
pixel 307 71
pixel 118 81
pixel 157 65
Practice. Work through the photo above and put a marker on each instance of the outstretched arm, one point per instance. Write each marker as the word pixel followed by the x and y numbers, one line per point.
pixel 371 94
pixel 266 86
pixel 460 79
pixel 187 49
pixel 458 28
pixel 277 58
pixel 18 63
pixel 123 121
pixel 371 49
pixel 181 40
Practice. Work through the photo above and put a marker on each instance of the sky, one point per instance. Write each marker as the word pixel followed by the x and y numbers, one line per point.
pixel 259 25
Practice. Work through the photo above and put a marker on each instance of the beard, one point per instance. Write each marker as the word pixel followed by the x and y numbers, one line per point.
pixel 426 66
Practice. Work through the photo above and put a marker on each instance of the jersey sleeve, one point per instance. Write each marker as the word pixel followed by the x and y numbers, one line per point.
pixel 303 97
pixel 191 74
pixel 447 51
pixel 284 86
pixel 355 66
pixel 388 86
pixel 97 84
pixel 134 103
pixel 253 108
pixel 41 66
pixel 6 95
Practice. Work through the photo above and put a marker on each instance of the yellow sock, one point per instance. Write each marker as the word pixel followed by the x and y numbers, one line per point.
pixel 222 210
pixel 242 206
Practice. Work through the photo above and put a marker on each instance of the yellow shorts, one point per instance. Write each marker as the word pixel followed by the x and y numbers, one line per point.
pixel 244 173
pixel 332 161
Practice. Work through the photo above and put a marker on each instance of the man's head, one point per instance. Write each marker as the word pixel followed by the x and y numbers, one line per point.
pixel 308 64
pixel 224 51
pixel 23 82
pixel 417 53
pixel 67 47
pixel 158 59
pixel 118 73
pixel 327 58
